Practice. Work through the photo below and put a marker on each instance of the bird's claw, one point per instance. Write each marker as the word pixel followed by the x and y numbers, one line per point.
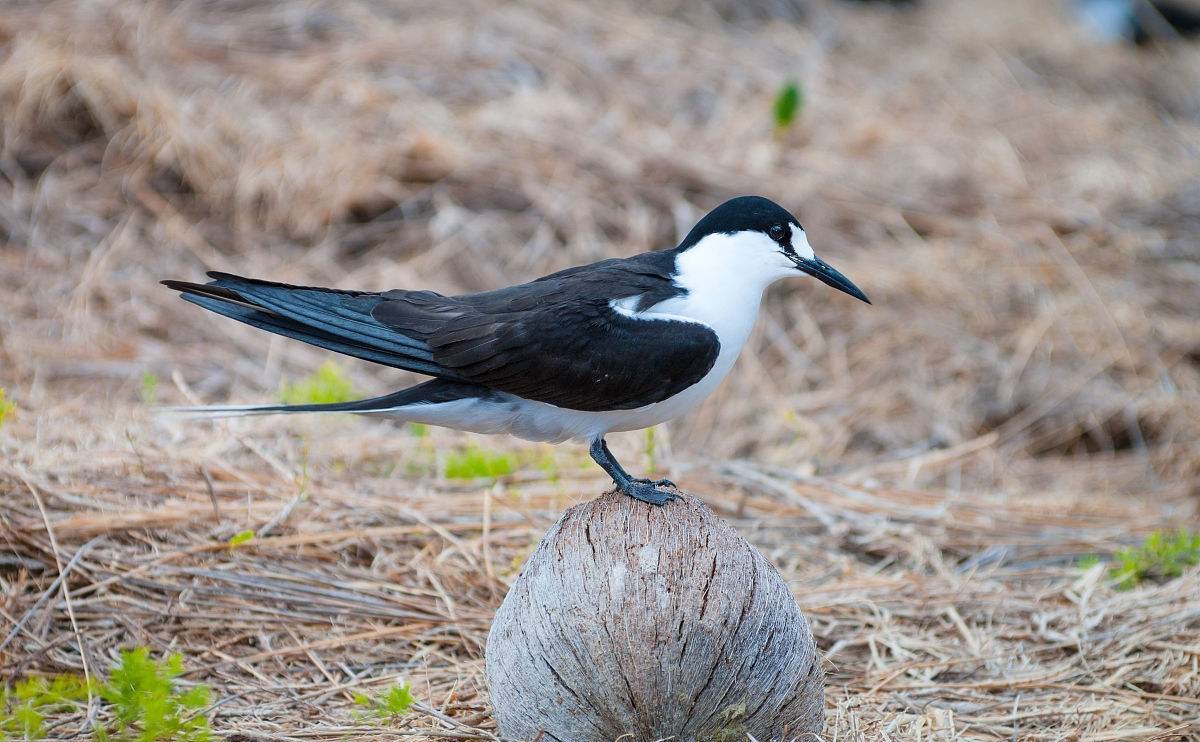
pixel 647 491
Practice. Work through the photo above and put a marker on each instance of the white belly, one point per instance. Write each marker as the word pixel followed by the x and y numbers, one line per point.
pixel 538 421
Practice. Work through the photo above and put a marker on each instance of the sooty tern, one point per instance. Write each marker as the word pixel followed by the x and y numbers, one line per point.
pixel 621 344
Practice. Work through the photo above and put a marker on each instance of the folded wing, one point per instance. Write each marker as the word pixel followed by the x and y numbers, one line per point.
pixel 555 340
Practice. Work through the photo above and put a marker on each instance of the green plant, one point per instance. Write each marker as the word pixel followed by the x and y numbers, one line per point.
pixel 420 430
pixel 788 102
pixel 548 465
pixel 241 537
pixel 389 704
pixel 23 710
pixel 149 387
pixel 140 691
pixel 147 704
pixel 1163 556
pixel 651 449
pixel 6 407
pixel 475 463
pixel 328 384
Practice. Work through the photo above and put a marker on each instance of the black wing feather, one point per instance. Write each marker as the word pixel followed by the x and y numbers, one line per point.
pixel 329 333
pixel 344 313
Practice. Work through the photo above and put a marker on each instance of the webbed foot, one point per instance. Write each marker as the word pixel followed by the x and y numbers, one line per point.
pixel 646 491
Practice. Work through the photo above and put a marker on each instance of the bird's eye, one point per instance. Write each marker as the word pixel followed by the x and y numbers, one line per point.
pixel 779 233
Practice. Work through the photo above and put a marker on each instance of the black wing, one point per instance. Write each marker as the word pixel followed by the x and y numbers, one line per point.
pixel 555 340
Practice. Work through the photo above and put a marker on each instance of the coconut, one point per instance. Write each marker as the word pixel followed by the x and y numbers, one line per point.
pixel 643 623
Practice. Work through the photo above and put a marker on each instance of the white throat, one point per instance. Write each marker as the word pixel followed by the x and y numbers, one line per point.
pixel 724 276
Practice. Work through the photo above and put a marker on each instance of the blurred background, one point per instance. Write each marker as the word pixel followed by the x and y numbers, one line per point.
pixel 1016 185
pixel 1020 197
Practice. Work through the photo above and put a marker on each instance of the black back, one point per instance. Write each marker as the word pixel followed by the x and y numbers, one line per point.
pixel 558 340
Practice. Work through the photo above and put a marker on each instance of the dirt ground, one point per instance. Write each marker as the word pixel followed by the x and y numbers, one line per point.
pixel 1021 201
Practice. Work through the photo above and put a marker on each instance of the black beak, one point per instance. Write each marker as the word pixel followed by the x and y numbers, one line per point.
pixel 828 275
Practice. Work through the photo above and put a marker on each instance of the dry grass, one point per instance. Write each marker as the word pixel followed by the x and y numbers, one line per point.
pixel 1022 206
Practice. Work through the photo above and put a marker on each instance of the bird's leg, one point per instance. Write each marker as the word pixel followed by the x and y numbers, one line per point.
pixel 643 490
pixel 642 480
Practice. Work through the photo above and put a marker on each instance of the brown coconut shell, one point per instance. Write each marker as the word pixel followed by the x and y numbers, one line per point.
pixel 645 623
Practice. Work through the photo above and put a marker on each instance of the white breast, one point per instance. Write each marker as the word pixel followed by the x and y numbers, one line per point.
pixel 724 277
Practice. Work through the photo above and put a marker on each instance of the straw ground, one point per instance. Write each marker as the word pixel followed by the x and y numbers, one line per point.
pixel 1021 204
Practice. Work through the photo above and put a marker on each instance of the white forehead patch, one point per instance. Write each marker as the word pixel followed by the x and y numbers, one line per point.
pixel 800 243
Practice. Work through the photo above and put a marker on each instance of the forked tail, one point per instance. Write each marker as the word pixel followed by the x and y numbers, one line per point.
pixel 430 392
pixel 341 321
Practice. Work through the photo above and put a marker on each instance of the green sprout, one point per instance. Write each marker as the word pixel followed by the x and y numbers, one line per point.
pixel 1162 556
pixel 6 407
pixel 328 384
pixel 23 709
pixel 476 463
pixel 651 449
pixel 149 387
pixel 548 465
pixel 390 704
pixel 419 430
pixel 148 705
pixel 788 102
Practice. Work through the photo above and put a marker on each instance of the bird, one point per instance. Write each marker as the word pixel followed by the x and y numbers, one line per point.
pixel 620 344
